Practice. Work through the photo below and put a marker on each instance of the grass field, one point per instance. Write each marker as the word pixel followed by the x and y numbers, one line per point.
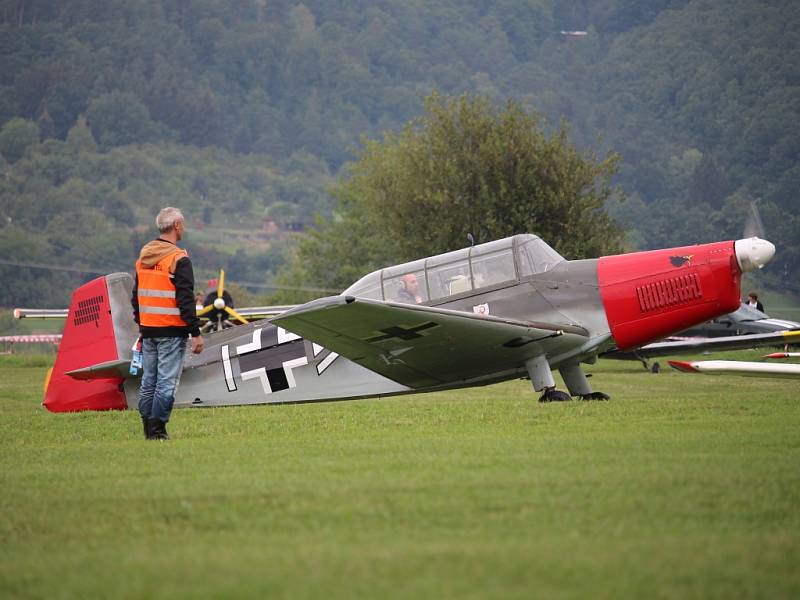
pixel 680 487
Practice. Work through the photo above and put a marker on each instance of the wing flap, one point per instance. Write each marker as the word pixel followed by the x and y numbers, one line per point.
pixel 419 346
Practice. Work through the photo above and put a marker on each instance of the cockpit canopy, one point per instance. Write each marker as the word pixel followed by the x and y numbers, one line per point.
pixel 484 266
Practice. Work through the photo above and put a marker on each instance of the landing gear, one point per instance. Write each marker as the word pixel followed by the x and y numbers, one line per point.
pixel 554 395
pixel 577 384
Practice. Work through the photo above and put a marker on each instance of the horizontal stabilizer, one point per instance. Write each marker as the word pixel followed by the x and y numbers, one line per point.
pixel 40 313
pixel 111 369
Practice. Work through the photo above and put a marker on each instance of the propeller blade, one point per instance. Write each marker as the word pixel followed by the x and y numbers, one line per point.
pixel 235 315
pixel 221 284
pixel 204 310
pixel 754 227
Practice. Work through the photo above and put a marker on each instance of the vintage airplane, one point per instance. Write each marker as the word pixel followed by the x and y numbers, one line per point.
pixel 746 320
pixel 783 355
pixel 213 314
pixel 681 345
pixel 738 367
pixel 501 310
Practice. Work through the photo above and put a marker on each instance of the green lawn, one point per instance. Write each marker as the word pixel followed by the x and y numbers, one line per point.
pixel 680 487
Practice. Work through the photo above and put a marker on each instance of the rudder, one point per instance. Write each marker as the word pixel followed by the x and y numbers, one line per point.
pixel 99 328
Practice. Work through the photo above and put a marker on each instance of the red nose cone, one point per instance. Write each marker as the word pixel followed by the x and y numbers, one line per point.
pixel 650 295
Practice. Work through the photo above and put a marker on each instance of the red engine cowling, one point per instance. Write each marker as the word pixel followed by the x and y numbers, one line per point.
pixel 653 294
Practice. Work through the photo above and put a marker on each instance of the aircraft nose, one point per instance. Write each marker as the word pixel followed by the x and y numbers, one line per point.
pixel 753 253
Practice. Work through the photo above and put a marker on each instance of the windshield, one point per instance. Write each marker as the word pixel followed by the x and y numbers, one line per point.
pixel 535 256
pixel 368 286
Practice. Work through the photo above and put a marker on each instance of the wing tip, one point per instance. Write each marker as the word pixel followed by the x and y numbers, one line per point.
pixel 683 366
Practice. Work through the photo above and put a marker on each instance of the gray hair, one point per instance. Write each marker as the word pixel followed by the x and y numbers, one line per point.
pixel 167 218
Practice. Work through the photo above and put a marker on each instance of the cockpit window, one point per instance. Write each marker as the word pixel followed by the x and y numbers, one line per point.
pixel 449 274
pixel 534 256
pixel 493 263
pixel 406 283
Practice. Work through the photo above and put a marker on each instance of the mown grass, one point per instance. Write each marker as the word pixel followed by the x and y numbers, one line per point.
pixel 680 487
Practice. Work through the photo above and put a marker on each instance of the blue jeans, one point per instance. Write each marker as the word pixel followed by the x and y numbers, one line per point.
pixel 162 363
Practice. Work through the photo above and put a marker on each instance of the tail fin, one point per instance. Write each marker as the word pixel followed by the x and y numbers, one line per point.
pixel 99 329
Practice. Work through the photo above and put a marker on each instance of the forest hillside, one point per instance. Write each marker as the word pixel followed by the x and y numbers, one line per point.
pixel 243 113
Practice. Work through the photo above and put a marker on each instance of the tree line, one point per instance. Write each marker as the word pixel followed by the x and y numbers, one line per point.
pixel 698 98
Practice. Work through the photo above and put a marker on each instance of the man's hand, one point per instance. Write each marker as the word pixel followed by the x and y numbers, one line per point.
pixel 197 344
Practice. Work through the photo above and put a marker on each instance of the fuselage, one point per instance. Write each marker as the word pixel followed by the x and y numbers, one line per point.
pixel 625 300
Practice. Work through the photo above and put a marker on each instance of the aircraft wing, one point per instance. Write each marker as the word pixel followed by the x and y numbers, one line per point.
pixel 737 367
pixel 733 342
pixel 419 346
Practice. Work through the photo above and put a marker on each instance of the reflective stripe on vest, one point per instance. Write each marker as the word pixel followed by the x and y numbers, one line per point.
pixel 159 310
pixel 156 293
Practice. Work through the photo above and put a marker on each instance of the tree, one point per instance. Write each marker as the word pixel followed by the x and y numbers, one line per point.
pixel 463 167
pixel 80 136
pixel 16 137
pixel 119 118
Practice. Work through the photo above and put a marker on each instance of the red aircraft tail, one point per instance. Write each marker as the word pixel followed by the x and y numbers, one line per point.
pixel 99 331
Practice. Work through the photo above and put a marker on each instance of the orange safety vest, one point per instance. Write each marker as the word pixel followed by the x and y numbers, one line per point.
pixel 158 306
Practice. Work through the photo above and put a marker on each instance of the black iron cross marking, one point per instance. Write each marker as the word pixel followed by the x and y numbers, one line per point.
pixel 400 333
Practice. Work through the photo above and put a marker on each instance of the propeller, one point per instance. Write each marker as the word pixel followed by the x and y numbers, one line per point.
pixel 219 304
pixel 754 227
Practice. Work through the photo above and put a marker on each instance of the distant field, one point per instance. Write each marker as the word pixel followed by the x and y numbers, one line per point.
pixel 680 487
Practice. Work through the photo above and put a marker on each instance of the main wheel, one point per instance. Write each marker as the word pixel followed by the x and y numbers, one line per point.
pixel 554 395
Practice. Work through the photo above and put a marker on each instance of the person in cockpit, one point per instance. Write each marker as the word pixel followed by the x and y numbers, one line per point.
pixel 409 293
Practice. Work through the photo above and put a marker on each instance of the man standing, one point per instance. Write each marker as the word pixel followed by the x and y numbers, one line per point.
pixel 164 307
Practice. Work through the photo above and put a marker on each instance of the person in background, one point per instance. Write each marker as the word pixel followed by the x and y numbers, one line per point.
pixel 164 308
pixel 752 300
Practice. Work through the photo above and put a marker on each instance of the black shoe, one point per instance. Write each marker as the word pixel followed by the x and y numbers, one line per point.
pixel 146 427
pixel 158 429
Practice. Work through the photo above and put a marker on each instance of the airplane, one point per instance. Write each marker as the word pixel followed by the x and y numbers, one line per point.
pixel 738 367
pixel 745 320
pixel 213 322
pixel 677 345
pixel 783 355
pixel 510 308
pixel 748 368
pixel 251 312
